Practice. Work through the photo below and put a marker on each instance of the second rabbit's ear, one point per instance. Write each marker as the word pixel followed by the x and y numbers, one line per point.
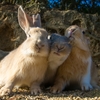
pixel 36 20
pixel 25 21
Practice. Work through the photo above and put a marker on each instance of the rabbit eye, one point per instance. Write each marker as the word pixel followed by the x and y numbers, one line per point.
pixel 28 35
pixel 83 32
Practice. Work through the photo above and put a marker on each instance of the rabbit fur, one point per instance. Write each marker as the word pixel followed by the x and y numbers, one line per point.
pixel 27 64
pixel 59 51
pixel 77 67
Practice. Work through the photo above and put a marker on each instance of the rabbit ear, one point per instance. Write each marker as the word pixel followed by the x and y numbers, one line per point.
pixel 25 21
pixel 36 20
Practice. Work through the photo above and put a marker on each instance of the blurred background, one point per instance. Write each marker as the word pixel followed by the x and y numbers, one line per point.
pixel 86 6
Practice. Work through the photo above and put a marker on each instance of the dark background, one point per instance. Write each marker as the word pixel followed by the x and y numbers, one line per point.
pixel 85 6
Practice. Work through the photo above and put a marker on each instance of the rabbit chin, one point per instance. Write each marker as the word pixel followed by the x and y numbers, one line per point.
pixel 56 60
pixel 29 52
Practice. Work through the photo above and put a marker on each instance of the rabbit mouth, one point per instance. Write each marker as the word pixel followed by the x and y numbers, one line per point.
pixel 38 51
pixel 71 32
pixel 57 53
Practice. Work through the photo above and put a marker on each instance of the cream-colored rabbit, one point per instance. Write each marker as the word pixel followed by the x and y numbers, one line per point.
pixel 59 51
pixel 77 67
pixel 3 54
pixel 27 64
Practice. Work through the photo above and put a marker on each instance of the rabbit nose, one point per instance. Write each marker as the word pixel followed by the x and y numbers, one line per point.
pixel 59 48
pixel 39 45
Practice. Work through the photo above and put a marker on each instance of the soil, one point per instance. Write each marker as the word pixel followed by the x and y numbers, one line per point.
pixel 24 94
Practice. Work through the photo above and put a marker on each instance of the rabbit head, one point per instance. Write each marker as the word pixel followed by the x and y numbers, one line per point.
pixel 76 34
pixel 59 45
pixel 36 37
pixel 73 31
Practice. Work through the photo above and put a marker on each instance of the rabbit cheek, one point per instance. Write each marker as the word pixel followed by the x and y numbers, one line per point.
pixel 57 53
pixel 45 50
pixel 42 49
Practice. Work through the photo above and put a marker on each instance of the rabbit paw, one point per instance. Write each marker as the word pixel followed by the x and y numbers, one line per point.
pixel 4 91
pixel 86 86
pixel 56 89
pixel 35 90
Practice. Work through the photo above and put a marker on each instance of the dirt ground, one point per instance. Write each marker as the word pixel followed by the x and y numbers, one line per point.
pixel 24 94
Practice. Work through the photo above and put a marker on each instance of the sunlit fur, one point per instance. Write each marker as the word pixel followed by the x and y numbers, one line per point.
pixel 40 38
pixel 27 64
pixel 77 67
pixel 59 51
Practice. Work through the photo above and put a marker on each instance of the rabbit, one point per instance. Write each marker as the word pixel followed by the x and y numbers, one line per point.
pixel 77 67
pixel 59 51
pixel 3 54
pixel 27 64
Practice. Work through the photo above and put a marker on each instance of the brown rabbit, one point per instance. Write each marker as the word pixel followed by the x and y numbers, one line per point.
pixel 27 64
pixel 59 51
pixel 77 67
